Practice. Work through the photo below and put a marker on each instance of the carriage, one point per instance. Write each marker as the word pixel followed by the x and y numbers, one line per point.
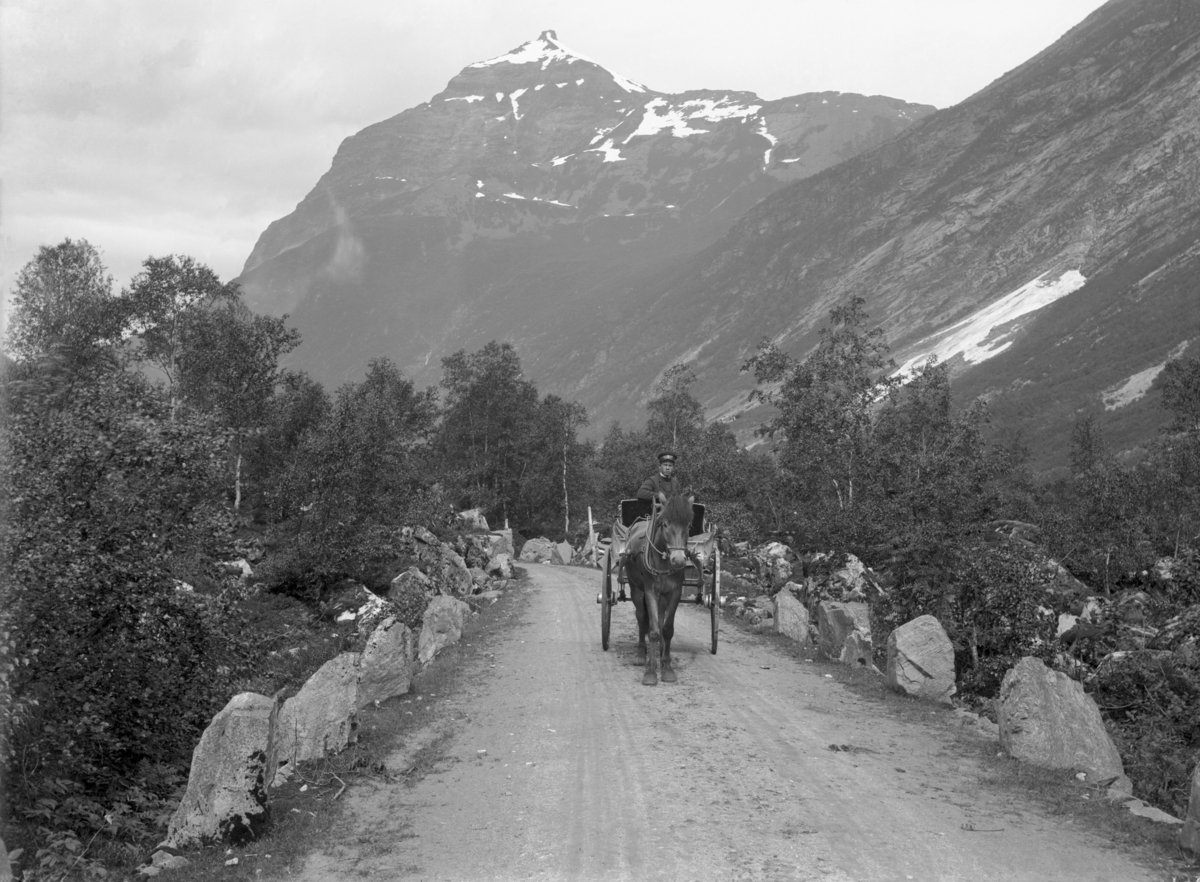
pixel 702 574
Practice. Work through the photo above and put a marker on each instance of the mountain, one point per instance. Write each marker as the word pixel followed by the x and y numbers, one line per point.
pixel 534 200
pixel 1043 236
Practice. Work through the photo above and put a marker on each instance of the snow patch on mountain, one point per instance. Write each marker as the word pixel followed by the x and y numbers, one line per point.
pixel 611 153
pixel 1138 385
pixel 546 49
pixel 513 98
pixel 672 118
pixel 975 338
pixel 762 130
pixel 470 99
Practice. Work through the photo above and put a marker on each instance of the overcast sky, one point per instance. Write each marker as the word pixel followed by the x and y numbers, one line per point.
pixel 152 127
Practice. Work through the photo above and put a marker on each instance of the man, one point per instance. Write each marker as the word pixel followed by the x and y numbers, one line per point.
pixel 663 481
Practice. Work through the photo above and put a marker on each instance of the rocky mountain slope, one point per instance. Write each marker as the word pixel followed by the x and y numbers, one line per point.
pixel 532 200
pixel 1043 235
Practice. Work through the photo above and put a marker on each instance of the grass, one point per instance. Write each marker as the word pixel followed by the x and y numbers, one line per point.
pixel 1055 793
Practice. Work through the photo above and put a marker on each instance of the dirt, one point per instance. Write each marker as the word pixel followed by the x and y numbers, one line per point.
pixel 550 760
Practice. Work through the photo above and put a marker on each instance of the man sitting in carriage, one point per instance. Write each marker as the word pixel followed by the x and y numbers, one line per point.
pixel 663 481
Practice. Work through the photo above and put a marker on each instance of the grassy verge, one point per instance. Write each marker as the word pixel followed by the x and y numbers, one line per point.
pixel 1057 794
pixel 306 811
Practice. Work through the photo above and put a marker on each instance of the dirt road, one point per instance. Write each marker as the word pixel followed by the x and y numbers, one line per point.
pixel 726 775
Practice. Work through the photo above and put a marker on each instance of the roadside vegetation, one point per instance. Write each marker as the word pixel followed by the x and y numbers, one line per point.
pixel 151 434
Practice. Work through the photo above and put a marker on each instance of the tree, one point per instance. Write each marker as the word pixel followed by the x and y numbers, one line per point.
pixel 826 402
pixel 558 460
pixel 676 417
pixel 63 298
pixel 230 366
pixel 489 409
pixel 1180 379
pixel 162 301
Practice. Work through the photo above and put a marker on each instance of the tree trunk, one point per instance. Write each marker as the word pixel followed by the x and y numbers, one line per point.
pixel 566 499
pixel 237 482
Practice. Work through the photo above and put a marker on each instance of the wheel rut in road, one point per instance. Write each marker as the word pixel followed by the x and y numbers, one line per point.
pixel 726 775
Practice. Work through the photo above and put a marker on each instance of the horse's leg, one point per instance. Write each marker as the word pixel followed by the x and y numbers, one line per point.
pixel 671 603
pixel 650 678
pixel 639 607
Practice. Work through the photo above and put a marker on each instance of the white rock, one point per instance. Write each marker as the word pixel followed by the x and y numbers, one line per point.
pixel 500 565
pixel 321 718
pixel 232 766
pixel 537 550
pixel 857 650
pixel 472 519
pixel 386 665
pixel 442 625
pixel 500 542
pixel 920 660
pixel 1047 720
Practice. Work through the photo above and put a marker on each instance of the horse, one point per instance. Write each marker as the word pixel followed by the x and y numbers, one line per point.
pixel 654 568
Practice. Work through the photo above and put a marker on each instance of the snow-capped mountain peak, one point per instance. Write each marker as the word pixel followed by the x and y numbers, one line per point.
pixel 547 49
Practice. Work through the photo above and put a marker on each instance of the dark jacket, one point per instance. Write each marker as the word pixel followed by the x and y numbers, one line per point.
pixel 656 484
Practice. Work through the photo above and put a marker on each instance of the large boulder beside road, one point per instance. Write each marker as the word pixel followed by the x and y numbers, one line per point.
pixel 835 622
pixel 537 551
pixel 232 767
pixel 471 520
pixel 1047 720
pixel 321 719
pixel 791 618
pixel 442 626
pixel 385 669
pixel 920 660
pixel 501 566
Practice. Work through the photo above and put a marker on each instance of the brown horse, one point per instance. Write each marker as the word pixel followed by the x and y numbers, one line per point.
pixel 654 569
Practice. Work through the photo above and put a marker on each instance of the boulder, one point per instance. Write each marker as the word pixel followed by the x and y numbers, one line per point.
pixel 442 625
pixel 347 600
pixel 537 550
pixel 385 669
pixel 471 520
pixel 232 766
pixel 857 650
pixel 422 535
pixel 500 542
pixel 773 566
pixel 1189 836
pixel 791 618
pixel 411 578
pixel 478 578
pixel 920 660
pixel 835 621
pixel 448 571
pixel 562 553
pixel 851 579
pixel 501 565
pixel 1047 720
pixel 321 718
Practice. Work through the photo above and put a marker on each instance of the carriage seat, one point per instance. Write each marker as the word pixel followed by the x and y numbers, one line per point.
pixel 634 510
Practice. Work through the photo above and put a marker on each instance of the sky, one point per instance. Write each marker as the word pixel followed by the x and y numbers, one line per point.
pixel 154 127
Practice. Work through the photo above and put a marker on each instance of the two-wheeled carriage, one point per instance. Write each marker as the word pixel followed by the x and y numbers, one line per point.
pixel 702 574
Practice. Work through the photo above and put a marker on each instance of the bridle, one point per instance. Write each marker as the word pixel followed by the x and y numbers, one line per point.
pixel 665 555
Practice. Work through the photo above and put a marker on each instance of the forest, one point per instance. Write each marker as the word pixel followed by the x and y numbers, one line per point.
pixel 151 433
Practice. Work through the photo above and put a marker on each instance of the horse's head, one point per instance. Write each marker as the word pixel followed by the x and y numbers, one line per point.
pixel 674 519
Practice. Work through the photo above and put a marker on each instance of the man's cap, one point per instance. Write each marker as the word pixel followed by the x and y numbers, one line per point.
pixel 667 456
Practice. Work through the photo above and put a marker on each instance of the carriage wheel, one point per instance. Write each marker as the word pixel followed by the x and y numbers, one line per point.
pixel 715 598
pixel 606 601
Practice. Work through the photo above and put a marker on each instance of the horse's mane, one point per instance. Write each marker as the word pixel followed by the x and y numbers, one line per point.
pixel 678 510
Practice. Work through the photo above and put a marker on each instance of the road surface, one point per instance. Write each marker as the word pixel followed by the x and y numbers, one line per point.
pixel 726 775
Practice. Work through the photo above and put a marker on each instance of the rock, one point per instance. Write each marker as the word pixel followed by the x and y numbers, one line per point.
pixel 851 579
pixel 537 550
pixel 164 860
pixel 478 577
pixel 857 650
pixel 239 568
pixel 442 626
pixel 1189 836
pixel 1149 812
pixel 483 598
pixel 772 563
pixel 411 578
pixel 500 565
pixel 447 570
pixel 346 602
pixel 471 520
pixel 1047 720
pixel 385 669
pixel 321 718
pixel 5 869
pixel 920 660
pixel 791 618
pixel 835 621
pixel 562 553
pixel 1066 622
pixel 421 534
pixel 500 542
pixel 232 766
